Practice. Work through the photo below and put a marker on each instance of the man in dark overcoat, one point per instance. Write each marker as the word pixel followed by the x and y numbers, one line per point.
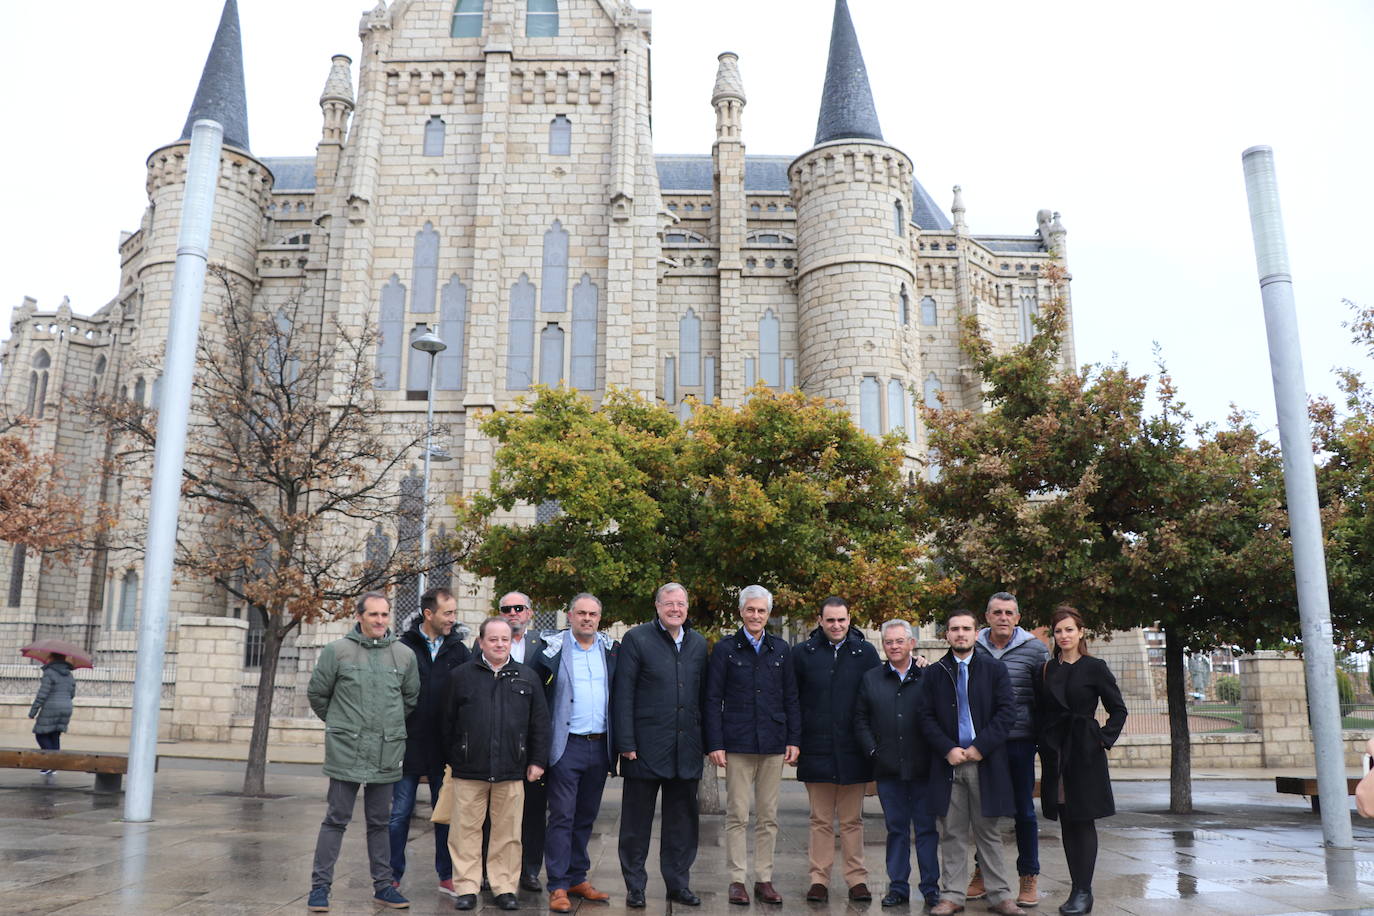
pixel 829 666
pixel 753 727
pixel 966 712
pixel 438 650
pixel 656 727
pixel 887 725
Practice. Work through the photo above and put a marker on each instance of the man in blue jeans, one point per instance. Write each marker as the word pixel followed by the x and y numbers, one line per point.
pixel 1025 656
pixel 438 650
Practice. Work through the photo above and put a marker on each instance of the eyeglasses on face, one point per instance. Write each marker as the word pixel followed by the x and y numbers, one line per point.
pixel 514 608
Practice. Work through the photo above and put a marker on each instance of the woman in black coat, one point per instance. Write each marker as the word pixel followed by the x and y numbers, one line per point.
pixel 1075 787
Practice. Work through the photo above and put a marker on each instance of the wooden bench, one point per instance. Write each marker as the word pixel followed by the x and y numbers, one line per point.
pixel 109 769
pixel 1301 785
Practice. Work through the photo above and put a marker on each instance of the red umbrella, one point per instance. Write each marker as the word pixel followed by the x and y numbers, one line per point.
pixel 45 649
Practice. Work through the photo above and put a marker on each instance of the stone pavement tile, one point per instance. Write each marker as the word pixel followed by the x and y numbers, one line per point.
pixel 126 904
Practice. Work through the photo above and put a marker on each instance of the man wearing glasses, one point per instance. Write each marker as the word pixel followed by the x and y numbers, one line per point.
pixel 527 648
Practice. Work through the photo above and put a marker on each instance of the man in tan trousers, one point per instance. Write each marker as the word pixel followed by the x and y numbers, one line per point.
pixel 496 736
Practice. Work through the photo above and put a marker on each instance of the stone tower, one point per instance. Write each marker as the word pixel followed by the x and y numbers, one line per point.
pixel 727 159
pixel 855 272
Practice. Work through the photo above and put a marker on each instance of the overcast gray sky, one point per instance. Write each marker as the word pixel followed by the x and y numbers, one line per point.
pixel 1128 118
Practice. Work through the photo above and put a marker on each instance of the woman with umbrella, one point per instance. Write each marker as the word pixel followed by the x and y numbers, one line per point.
pixel 52 707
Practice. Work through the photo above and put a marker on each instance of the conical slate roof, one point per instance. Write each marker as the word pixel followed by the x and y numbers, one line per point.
pixel 847 111
pixel 221 95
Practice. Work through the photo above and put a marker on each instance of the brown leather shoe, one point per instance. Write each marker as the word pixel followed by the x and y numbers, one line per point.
pixel 1007 907
pixel 817 893
pixel 587 892
pixel 1030 893
pixel 946 908
pixel 738 895
pixel 765 893
pixel 976 889
pixel 559 902
pixel 860 892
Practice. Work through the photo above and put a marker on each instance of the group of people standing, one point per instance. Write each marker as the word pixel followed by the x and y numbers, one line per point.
pixel 527 732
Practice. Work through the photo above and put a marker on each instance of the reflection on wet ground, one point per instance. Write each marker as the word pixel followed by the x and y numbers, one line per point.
pixel 64 850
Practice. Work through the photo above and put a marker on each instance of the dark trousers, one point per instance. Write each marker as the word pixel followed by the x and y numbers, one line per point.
pixel 402 807
pixel 1080 850
pixel 1021 763
pixel 49 741
pixel 677 834
pixel 904 807
pixel 376 810
pixel 575 784
pixel 531 829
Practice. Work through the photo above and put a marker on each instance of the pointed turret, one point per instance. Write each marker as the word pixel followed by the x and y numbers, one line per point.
pixel 729 85
pixel 221 95
pixel 847 111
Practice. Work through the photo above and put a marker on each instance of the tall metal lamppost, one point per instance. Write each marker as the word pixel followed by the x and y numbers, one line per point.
pixel 430 343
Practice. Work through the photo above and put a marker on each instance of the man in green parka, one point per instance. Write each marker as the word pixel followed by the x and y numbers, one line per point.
pixel 363 688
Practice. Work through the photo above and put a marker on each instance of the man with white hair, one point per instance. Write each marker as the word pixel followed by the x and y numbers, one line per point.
pixel 752 721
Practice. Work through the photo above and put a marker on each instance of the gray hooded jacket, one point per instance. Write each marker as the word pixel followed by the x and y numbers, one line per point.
pixel 1025 658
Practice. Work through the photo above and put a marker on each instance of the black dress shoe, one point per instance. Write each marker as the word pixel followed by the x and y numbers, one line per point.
pixel 634 899
pixel 465 902
pixel 530 883
pixel 895 899
pixel 684 896
pixel 507 902
pixel 1080 902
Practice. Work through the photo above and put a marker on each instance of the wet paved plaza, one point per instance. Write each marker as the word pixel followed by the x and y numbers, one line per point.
pixel 64 850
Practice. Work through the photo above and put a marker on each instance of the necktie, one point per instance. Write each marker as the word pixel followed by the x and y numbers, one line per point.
pixel 965 720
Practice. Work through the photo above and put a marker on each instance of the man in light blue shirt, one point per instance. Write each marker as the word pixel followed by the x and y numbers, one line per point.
pixel 580 665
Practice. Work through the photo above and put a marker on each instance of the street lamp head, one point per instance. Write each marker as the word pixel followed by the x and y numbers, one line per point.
pixel 429 342
pixel 438 454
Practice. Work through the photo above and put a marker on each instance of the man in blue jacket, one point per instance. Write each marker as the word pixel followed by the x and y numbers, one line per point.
pixel 753 726
pixel 966 711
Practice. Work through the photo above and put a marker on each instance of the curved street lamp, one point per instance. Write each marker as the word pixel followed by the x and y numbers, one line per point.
pixel 430 343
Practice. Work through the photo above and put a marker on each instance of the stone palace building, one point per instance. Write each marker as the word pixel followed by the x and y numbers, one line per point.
pixel 488 172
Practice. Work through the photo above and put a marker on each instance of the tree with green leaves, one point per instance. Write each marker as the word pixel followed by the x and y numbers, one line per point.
pixel 1067 487
pixel 783 490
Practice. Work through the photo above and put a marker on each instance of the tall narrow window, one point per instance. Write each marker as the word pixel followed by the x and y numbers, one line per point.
pixel 708 382
pixel 453 321
pixel 391 338
pixel 128 601
pixel 551 355
pixel 560 137
pixel 541 18
pixel 434 136
pixel 751 372
pixel 870 406
pixel 584 321
pixel 903 307
pixel 417 367
pixel 520 347
pixel 100 365
pixel 1030 308
pixel 157 392
pixel 896 405
pixel 931 394
pixel 467 19
pixel 38 385
pixel 899 217
pixel 930 312
pixel 770 350
pixel 17 575
pixel 425 270
pixel 555 275
pixel 789 373
pixel 911 419
pixel 670 380
pixel 140 390
pixel 689 349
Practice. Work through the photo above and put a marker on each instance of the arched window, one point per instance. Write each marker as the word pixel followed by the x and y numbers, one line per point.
pixel 425 270
pixel 896 405
pixel 541 18
pixel 1030 308
pixel 453 321
pixel 904 307
pixel 99 373
pixel 434 136
pixel 930 312
pixel 555 273
pixel 689 348
pixel 520 346
pixel 467 19
pixel 870 406
pixel 140 390
pixel 899 217
pixel 551 355
pixel 584 325
pixel 931 394
pixel 391 335
pixel 282 362
pixel 38 385
pixel 128 602
pixel 770 350
pixel 560 137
